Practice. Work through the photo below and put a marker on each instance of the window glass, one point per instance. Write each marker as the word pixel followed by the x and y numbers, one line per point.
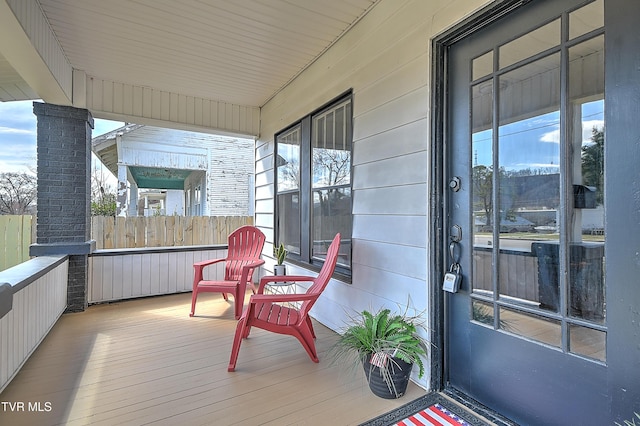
pixel 313 175
pixel 288 160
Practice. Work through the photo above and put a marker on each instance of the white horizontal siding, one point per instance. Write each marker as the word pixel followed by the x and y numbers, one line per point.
pixel 131 275
pixel 385 61
pixel 36 308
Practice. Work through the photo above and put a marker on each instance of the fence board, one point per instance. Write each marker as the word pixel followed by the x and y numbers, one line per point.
pixel 15 240
pixel 18 233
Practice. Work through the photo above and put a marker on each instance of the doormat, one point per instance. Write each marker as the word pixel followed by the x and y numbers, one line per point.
pixel 431 409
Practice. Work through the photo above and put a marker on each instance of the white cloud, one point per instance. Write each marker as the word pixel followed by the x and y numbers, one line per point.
pixel 14 131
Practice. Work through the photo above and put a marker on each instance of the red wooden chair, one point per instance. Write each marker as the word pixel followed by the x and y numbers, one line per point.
pixel 243 257
pixel 265 312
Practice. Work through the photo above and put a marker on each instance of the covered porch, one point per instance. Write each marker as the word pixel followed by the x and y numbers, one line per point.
pixel 145 361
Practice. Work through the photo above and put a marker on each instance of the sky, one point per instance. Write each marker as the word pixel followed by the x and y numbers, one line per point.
pixel 18 136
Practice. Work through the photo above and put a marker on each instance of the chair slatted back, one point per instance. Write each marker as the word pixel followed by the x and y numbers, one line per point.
pixel 323 277
pixel 244 247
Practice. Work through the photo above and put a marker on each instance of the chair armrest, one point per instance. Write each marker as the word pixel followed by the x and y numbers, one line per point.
pixel 281 278
pixel 208 262
pixel 299 297
pixel 198 268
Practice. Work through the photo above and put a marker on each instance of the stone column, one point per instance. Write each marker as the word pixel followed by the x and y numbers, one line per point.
pixel 63 224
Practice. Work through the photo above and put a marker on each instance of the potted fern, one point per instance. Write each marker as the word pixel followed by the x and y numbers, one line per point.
pixel 388 346
pixel 280 254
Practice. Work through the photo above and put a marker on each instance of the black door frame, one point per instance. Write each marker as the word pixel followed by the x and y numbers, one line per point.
pixel 437 207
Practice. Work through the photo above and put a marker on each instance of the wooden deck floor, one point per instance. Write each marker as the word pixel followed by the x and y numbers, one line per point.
pixel 146 362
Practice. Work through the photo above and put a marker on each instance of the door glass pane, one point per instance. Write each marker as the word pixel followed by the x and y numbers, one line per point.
pixel 586 19
pixel 530 44
pixel 588 342
pixel 529 183
pixel 534 327
pixel 482 188
pixel 482 66
pixel 587 231
pixel 483 312
pixel 537 186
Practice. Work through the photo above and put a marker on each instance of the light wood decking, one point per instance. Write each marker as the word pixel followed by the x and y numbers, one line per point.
pixel 146 362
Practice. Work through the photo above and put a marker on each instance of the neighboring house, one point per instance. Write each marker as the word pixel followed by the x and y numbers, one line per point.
pixel 369 122
pixel 188 173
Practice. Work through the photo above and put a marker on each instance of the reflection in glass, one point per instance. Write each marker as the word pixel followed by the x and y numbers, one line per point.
pixel 538 185
pixel 331 214
pixel 586 19
pixel 588 342
pixel 482 312
pixel 331 180
pixel 532 43
pixel 289 221
pixel 534 327
pixel 529 182
pixel 288 195
pixel 586 299
pixel 288 160
pixel 481 187
pixel 482 65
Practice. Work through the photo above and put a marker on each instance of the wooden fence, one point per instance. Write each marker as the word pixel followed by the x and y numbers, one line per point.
pixel 163 231
pixel 18 233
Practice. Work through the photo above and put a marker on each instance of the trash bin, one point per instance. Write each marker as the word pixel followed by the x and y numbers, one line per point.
pixel 586 272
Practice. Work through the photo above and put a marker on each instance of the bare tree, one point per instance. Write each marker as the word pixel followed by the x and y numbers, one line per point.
pixel 18 192
pixel 103 195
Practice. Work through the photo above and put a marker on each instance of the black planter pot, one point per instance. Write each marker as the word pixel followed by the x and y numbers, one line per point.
pixel 400 372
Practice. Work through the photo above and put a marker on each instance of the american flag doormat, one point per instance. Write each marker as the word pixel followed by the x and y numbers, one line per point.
pixel 434 415
pixel 431 409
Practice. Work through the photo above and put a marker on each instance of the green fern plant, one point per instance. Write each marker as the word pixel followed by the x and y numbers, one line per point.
pixel 384 334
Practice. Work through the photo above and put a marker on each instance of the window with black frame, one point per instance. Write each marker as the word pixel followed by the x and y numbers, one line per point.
pixel 313 185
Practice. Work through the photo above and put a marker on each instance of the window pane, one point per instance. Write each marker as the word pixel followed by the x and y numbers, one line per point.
pixel 331 147
pixel 332 214
pixel 288 160
pixel 288 221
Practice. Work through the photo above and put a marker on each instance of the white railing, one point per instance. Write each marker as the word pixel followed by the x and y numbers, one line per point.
pixel 120 274
pixel 33 296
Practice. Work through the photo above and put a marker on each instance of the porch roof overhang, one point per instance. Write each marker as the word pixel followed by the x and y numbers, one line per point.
pixel 184 64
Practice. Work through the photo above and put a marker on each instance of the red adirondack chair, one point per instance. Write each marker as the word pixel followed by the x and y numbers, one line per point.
pixel 243 257
pixel 265 312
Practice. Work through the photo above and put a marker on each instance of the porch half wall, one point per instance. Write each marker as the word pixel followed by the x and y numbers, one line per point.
pixel 385 61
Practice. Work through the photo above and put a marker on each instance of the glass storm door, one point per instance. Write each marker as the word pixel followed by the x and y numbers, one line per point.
pixel 527 330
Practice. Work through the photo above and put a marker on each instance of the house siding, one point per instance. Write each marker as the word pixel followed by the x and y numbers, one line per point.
pixel 385 61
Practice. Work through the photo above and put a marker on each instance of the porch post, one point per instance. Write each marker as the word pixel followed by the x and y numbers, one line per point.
pixel 64 193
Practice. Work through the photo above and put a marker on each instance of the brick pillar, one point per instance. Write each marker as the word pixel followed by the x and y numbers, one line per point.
pixel 63 223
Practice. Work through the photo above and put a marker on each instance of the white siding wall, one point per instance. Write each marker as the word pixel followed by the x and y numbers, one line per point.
pixel 130 274
pixel 36 308
pixel 385 60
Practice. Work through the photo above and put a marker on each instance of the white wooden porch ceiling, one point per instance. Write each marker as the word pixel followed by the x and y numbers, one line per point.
pixel 235 51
